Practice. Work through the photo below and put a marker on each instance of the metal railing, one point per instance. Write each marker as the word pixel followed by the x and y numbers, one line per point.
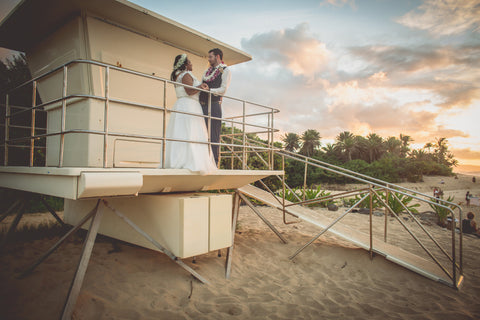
pixel 373 189
pixel 240 121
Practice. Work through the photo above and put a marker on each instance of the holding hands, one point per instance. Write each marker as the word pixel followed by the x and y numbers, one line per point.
pixel 204 86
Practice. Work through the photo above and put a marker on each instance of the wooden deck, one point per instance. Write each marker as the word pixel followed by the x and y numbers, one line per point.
pixel 426 268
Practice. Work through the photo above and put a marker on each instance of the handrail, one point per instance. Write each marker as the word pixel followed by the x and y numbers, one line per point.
pixel 381 185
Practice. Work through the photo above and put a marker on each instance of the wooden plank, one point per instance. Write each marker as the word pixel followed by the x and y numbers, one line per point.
pixel 395 254
pixel 77 282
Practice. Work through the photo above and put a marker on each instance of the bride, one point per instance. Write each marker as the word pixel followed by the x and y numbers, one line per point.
pixel 189 155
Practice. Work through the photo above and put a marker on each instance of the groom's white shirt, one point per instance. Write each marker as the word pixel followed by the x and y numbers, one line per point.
pixel 226 77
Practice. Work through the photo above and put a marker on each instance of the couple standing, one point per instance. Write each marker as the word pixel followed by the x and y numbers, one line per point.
pixel 195 155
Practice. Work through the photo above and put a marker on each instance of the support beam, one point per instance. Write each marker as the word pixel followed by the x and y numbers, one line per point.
pixel 236 207
pixel 13 225
pixel 155 243
pixel 59 242
pixel 77 282
pixel 52 211
pixel 263 218
pixel 9 210
pixel 326 229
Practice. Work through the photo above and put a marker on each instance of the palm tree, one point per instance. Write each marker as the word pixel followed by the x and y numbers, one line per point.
pixel 310 142
pixel 374 147
pixel 346 143
pixel 405 142
pixel 393 146
pixel 428 146
pixel 292 141
pixel 330 149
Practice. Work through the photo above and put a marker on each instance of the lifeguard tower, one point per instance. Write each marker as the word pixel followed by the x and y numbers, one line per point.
pixel 93 133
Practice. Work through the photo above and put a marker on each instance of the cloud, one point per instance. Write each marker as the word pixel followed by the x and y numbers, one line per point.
pixel 388 89
pixel 293 48
pixel 446 17
pixel 339 3
pixel 466 153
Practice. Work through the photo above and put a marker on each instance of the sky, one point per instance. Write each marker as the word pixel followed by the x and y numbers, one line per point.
pixel 383 66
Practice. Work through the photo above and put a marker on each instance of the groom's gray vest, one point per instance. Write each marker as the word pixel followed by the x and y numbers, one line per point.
pixel 215 83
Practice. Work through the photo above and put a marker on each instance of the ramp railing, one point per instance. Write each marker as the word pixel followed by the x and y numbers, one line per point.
pixel 376 193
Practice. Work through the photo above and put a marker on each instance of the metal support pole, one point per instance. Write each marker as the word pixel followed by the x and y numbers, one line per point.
pixel 7 134
pixel 164 144
pixel 32 128
pixel 59 242
pixel 155 243
pixel 13 225
pixel 63 115
pixel 9 210
pixel 77 281
pixel 244 137
pixel 235 209
pixel 305 178
pixel 52 211
pixel 387 212
pixel 326 229
pixel 105 116
pixel 371 222
pixel 454 257
pixel 263 218
pixel 232 158
pixel 209 127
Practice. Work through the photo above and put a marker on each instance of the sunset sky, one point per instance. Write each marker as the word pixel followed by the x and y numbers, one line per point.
pixel 383 66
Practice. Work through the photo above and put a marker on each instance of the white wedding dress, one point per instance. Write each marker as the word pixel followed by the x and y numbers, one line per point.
pixel 192 156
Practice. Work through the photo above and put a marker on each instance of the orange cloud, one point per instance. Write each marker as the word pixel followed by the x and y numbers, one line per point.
pixel 446 17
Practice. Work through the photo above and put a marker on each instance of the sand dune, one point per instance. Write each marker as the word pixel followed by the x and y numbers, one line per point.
pixel 331 279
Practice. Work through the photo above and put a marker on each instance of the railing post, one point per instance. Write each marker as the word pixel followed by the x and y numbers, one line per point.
pixel 460 240
pixel 164 144
pixel 7 133
pixel 244 139
pixel 209 127
pixel 232 157
pixel 387 212
pixel 64 111
pixel 32 128
pixel 305 178
pixel 371 221
pixel 105 116
pixel 454 258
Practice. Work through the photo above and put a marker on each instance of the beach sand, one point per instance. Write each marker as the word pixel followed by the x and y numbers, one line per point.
pixel 331 279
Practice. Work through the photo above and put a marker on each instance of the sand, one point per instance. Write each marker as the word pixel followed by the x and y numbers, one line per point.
pixel 331 279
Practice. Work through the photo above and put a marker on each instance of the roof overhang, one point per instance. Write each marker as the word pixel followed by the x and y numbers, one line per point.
pixel 33 20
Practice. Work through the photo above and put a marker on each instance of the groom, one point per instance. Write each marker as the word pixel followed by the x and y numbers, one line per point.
pixel 217 77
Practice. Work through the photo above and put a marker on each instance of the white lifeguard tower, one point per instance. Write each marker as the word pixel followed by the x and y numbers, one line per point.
pixel 94 134
pixel 100 73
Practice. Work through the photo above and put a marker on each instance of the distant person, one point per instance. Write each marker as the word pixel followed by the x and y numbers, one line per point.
pixel 435 192
pixel 467 198
pixel 183 126
pixel 217 77
pixel 474 179
pixel 469 225
pixel 442 182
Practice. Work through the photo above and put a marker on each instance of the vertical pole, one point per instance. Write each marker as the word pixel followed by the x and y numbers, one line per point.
pixel 32 128
pixel 244 151
pixel 371 216
pixel 272 155
pixel 454 258
pixel 305 179
pixel 236 206
pixel 7 133
pixel 209 127
pixel 105 116
pixel 460 243
pixel 283 186
pixel 269 122
pixel 64 111
pixel 164 145
pixel 387 212
pixel 232 157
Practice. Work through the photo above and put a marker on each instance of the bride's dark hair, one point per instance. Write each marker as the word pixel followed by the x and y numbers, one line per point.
pixel 182 67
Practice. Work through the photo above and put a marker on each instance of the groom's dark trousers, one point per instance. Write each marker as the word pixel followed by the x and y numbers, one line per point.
pixel 216 126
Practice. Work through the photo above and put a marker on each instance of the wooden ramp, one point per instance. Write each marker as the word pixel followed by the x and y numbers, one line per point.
pixel 395 254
